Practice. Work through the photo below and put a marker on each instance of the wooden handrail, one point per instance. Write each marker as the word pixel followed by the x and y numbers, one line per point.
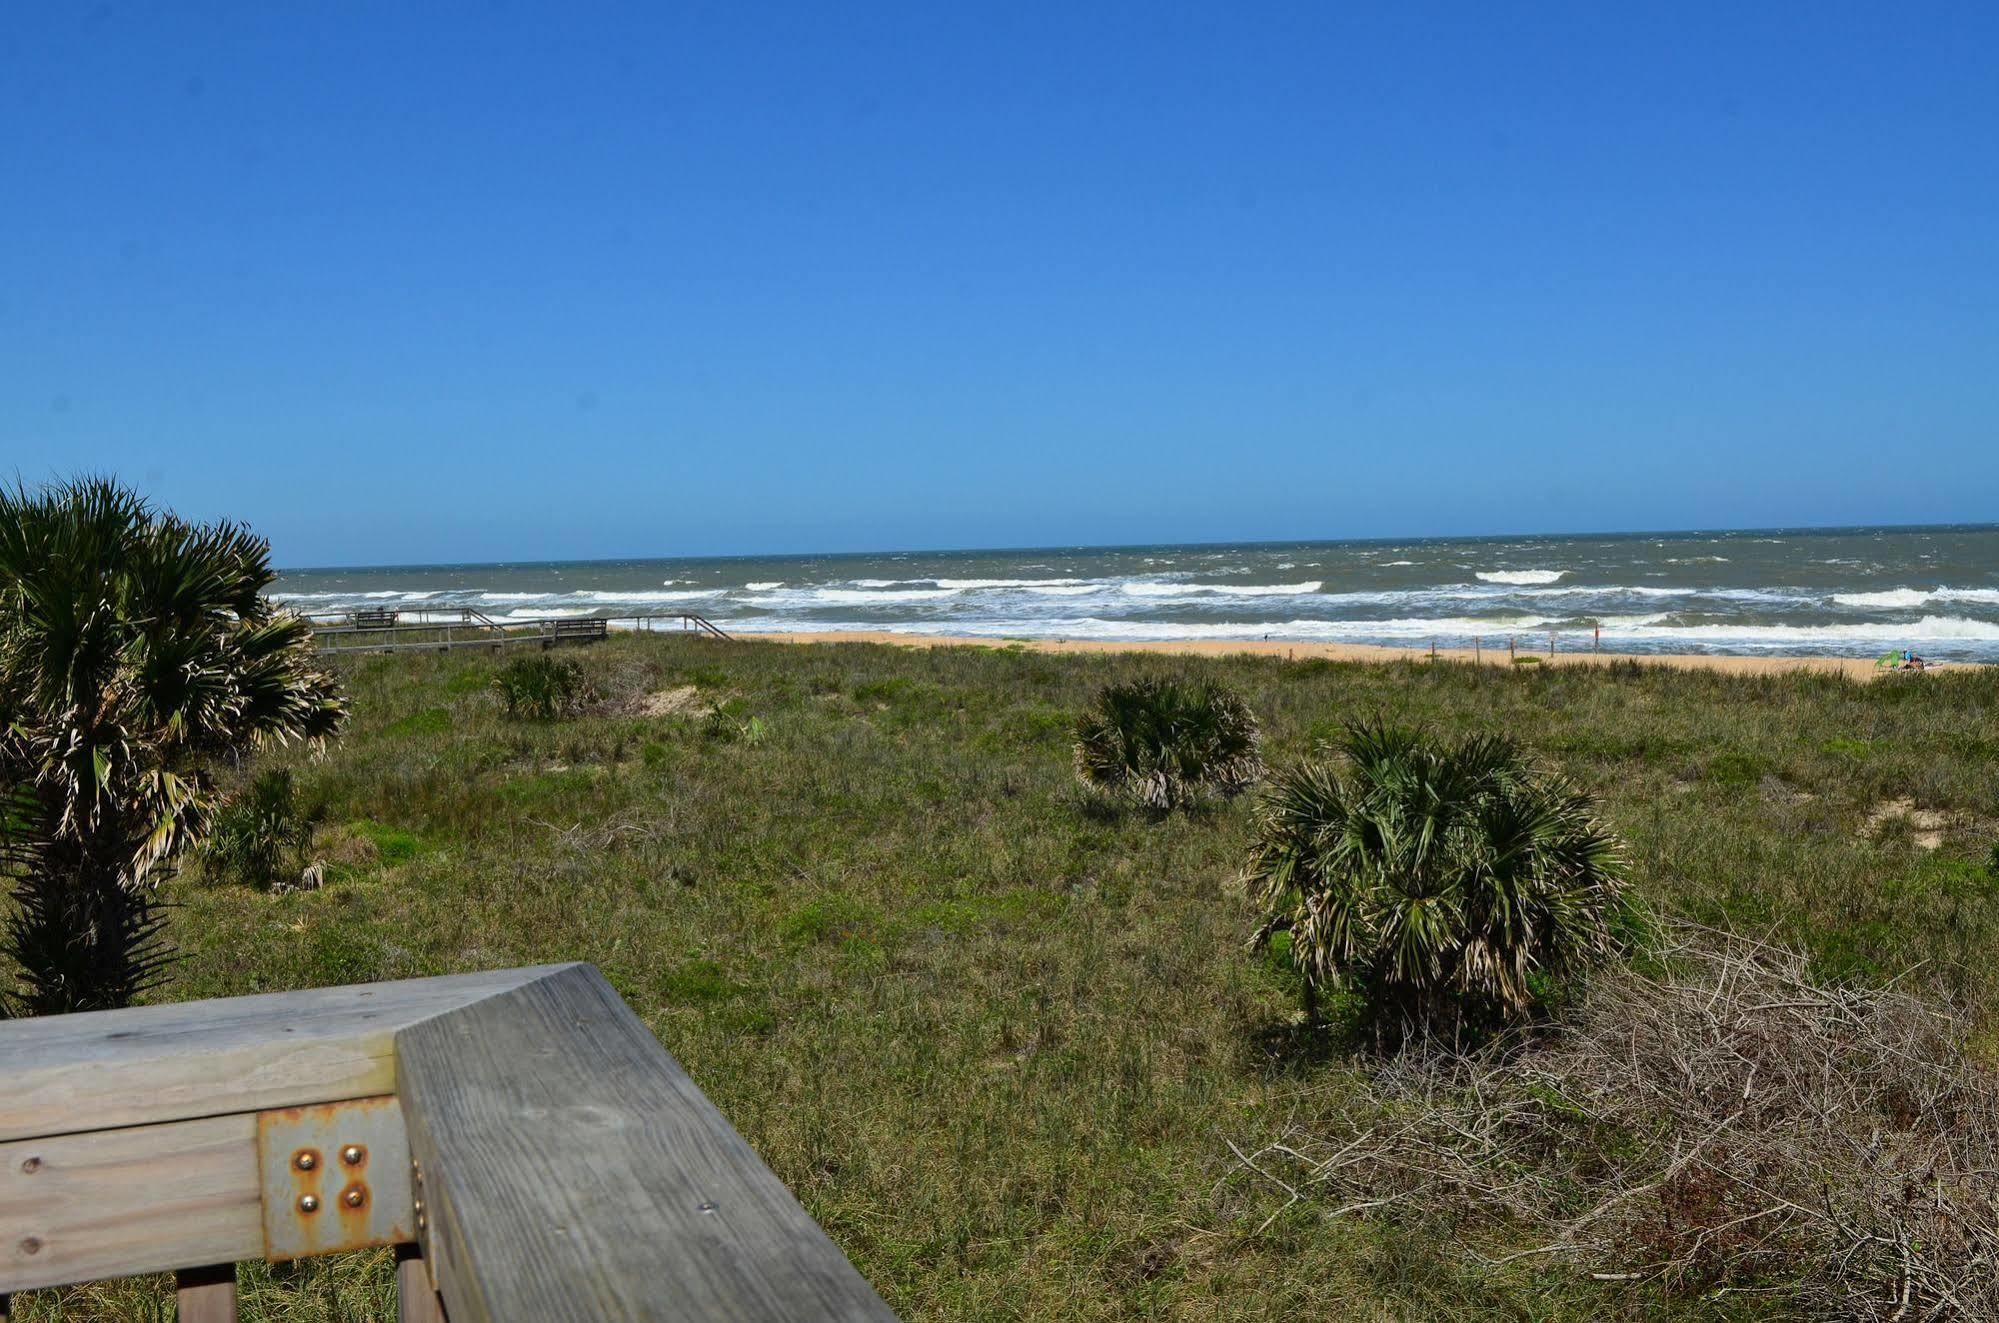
pixel 427 633
pixel 523 1127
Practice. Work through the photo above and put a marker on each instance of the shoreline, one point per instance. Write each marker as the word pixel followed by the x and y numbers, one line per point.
pixel 1853 668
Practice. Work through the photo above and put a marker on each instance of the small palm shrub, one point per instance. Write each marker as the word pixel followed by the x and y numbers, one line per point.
pixel 139 655
pixel 1164 744
pixel 540 687
pixel 260 837
pixel 1439 883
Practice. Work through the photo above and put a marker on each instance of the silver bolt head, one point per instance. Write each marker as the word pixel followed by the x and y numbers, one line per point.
pixel 355 1198
pixel 306 1160
pixel 308 1203
pixel 351 1155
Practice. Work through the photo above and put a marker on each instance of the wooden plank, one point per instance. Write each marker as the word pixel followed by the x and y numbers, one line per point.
pixel 80 1208
pixel 69 1073
pixel 206 1058
pixel 571 1170
pixel 206 1295
pixel 416 1299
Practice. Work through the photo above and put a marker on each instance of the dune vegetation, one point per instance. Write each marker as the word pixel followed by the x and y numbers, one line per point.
pixel 1006 1037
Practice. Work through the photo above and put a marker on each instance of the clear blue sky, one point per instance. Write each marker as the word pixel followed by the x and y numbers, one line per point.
pixel 424 281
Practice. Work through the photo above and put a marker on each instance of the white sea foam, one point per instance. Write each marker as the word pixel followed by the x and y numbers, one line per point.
pixel 1929 631
pixel 1398 562
pixel 764 587
pixel 999 583
pixel 1914 597
pixel 857 596
pixel 1520 576
pixel 682 595
pixel 1151 588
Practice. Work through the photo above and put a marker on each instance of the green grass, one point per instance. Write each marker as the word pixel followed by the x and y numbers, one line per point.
pixel 995 1035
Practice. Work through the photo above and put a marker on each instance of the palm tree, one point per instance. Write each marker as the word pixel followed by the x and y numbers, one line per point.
pixel 1433 881
pixel 1163 744
pixel 137 655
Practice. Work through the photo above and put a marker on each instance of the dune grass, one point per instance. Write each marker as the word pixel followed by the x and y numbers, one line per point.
pixel 997 1035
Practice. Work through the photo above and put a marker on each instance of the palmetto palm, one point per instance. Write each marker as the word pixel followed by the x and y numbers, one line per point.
pixel 137 653
pixel 1432 880
pixel 1162 743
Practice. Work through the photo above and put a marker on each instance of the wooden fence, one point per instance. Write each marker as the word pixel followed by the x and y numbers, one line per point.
pixel 520 1136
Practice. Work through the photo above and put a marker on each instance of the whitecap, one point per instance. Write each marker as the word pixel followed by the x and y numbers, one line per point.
pixel 1520 576
pixel 764 587
pixel 1914 597
pixel 683 595
pixel 1150 588
pixel 852 596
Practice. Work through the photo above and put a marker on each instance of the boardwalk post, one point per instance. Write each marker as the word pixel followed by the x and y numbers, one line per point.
pixel 416 1299
pixel 206 1295
pixel 1509 648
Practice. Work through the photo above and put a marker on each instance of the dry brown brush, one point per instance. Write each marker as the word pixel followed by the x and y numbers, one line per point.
pixel 1722 1123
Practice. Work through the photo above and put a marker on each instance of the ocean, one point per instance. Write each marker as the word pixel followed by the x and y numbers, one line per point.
pixel 1840 592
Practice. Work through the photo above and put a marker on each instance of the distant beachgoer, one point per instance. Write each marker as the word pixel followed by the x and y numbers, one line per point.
pixel 1910 661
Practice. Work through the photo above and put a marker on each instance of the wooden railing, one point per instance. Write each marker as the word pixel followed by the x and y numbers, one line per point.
pixel 520 1136
pixel 444 628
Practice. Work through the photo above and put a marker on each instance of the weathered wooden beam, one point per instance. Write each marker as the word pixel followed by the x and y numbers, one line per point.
pixel 206 1295
pixel 571 1170
pixel 69 1073
pixel 78 1208
pixel 416 1298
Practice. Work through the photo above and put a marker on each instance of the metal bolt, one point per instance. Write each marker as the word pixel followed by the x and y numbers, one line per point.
pixel 31 1245
pixel 305 1159
pixel 308 1203
pixel 421 1221
pixel 706 1206
pixel 355 1197
pixel 352 1155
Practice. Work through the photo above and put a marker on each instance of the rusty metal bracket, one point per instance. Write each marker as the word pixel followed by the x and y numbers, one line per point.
pixel 424 1244
pixel 334 1177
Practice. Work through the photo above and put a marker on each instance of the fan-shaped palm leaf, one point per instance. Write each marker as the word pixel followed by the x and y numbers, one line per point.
pixel 1434 881
pixel 137 652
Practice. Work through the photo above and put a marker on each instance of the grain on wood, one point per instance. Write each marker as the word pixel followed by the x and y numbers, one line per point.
pixel 146 1064
pixel 77 1208
pixel 206 1295
pixel 416 1299
pixel 571 1170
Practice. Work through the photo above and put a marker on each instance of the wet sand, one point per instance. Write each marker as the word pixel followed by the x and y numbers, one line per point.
pixel 1858 668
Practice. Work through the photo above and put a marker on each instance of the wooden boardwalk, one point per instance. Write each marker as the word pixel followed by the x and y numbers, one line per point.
pixel 520 1136
pixel 441 630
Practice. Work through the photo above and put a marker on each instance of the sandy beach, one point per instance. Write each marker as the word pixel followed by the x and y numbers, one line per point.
pixel 1857 668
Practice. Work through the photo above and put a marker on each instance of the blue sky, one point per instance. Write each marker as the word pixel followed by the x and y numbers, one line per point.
pixel 403 282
